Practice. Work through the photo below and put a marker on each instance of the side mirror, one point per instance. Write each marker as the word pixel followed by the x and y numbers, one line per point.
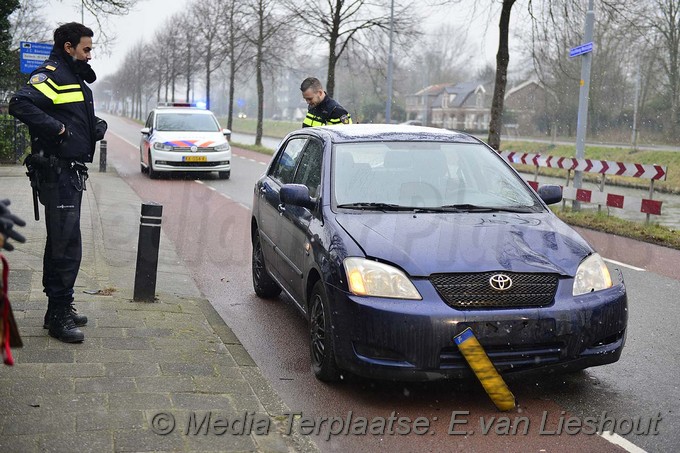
pixel 550 193
pixel 226 132
pixel 145 131
pixel 297 195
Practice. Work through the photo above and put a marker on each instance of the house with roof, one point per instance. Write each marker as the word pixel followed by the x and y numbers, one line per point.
pixel 467 106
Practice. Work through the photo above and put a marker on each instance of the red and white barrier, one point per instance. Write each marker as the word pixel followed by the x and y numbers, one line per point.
pixel 606 167
pixel 644 205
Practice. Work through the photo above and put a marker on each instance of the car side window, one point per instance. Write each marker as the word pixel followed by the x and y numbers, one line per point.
pixel 284 169
pixel 309 170
pixel 149 121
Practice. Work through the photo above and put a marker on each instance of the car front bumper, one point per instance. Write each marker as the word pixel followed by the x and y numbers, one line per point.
pixel 187 161
pixel 413 340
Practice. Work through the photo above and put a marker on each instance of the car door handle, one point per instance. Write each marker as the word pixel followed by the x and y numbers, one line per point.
pixel 281 208
pixel 263 190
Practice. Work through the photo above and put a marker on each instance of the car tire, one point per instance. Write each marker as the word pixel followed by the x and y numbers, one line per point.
pixel 321 345
pixel 224 174
pixel 153 174
pixel 263 283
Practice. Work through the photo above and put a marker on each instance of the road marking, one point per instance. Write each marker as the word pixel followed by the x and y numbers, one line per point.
pixel 618 263
pixel 621 442
pixel 125 140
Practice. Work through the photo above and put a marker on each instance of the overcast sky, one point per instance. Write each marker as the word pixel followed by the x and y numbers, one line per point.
pixel 149 15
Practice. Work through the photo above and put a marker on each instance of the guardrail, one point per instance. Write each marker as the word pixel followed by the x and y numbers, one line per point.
pixel 602 167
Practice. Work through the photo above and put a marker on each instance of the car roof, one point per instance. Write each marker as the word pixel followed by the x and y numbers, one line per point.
pixel 182 110
pixel 388 132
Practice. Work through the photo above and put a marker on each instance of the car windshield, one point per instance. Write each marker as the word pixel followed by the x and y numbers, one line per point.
pixel 436 176
pixel 186 121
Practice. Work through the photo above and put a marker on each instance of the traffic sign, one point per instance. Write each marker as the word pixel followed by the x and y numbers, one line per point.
pixel 580 50
pixel 32 55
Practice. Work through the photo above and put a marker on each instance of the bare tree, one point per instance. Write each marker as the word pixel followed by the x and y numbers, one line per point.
pixel 28 24
pixel 265 36
pixel 237 50
pixel 213 17
pixel 339 22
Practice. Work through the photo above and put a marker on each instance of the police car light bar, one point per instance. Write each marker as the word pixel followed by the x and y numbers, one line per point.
pixel 176 104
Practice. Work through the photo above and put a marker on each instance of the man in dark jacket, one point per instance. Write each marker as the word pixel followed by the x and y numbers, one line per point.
pixel 322 108
pixel 57 106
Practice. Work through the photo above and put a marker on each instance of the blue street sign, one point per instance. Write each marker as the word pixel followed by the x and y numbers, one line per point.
pixel 32 55
pixel 580 50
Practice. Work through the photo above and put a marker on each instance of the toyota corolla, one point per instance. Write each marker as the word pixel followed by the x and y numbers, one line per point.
pixel 393 239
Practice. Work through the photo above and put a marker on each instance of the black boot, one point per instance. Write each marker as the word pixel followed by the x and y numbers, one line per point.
pixel 62 326
pixel 78 320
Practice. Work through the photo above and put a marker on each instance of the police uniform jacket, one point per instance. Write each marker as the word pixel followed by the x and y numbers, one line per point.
pixel 56 94
pixel 327 112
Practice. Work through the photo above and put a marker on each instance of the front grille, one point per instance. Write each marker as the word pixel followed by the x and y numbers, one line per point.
pixel 188 149
pixel 506 357
pixel 473 291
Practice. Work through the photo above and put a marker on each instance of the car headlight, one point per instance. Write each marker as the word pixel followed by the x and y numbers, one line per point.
pixel 223 147
pixel 591 275
pixel 162 146
pixel 370 278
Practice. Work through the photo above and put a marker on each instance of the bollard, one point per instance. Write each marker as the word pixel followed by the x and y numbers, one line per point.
pixel 147 252
pixel 102 156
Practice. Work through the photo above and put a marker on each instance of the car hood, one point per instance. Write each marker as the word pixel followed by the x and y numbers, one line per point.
pixel 188 139
pixel 424 244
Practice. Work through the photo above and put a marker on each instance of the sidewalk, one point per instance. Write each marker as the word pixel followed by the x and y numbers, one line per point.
pixel 142 366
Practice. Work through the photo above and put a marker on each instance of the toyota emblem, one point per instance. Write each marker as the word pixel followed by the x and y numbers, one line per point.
pixel 194 148
pixel 500 282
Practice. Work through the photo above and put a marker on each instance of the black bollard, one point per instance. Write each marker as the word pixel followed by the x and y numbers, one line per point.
pixel 147 252
pixel 102 156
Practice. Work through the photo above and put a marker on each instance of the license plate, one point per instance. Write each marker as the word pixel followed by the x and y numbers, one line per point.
pixel 194 158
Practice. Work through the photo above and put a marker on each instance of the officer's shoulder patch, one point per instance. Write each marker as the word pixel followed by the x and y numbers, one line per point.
pixel 344 119
pixel 38 78
pixel 51 67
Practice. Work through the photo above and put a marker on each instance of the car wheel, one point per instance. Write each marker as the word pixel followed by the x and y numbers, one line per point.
pixel 322 351
pixel 153 174
pixel 224 174
pixel 264 284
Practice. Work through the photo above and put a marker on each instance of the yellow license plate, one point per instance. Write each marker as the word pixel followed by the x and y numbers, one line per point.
pixel 195 158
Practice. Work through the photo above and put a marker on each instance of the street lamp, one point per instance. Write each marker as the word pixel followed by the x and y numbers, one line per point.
pixel 388 107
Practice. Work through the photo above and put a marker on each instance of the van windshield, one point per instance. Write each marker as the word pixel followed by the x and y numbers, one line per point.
pixel 186 122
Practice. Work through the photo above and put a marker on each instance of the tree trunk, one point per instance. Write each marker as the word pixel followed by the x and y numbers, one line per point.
pixel 502 59
pixel 232 89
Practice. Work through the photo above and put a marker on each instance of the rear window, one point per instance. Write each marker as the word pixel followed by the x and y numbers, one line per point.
pixel 186 121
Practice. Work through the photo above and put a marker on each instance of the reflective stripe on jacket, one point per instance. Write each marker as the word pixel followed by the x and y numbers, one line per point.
pixel 54 96
pixel 327 112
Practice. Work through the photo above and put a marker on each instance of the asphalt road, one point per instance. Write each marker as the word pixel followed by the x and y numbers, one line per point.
pixel 208 221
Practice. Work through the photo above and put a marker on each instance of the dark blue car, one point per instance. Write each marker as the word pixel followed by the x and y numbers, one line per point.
pixel 393 239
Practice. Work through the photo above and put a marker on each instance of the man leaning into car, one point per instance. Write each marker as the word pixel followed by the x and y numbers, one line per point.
pixel 322 108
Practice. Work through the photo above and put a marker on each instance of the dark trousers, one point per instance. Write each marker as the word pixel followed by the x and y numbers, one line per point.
pixel 62 194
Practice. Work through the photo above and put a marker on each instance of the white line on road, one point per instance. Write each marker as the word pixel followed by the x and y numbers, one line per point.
pixel 621 442
pixel 618 263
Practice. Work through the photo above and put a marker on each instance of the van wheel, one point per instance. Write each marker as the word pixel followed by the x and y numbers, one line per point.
pixel 322 350
pixel 263 283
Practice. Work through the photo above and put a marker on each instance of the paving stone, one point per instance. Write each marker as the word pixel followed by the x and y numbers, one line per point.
pixel 99 441
pixel 105 420
pixel 73 403
pixel 165 384
pixel 145 440
pixel 105 385
pixel 140 401
pixel 20 443
pixel 191 369
pixel 132 369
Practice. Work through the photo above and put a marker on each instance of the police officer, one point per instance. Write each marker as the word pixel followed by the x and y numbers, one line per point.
pixel 57 106
pixel 322 108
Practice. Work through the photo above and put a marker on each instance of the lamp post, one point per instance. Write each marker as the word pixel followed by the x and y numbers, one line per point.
pixel 388 106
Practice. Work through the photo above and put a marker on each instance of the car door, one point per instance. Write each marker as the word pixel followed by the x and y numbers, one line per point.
pixel 145 140
pixel 294 240
pixel 270 209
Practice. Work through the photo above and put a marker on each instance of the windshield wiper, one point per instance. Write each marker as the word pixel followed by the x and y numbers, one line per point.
pixel 375 206
pixel 476 208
